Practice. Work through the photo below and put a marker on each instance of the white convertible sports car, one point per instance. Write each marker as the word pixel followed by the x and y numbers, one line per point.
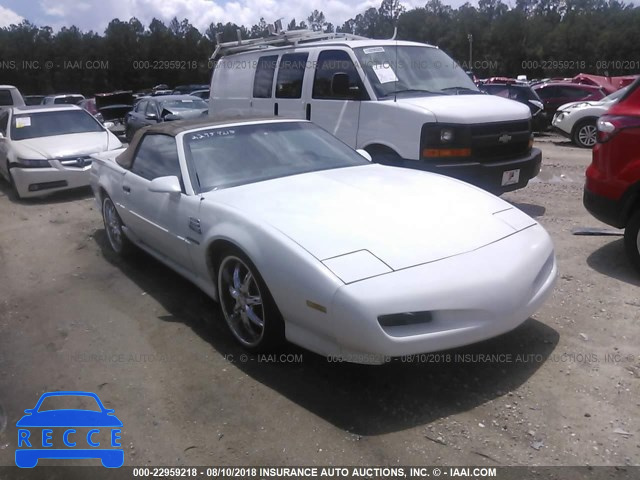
pixel 44 149
pixel 298 236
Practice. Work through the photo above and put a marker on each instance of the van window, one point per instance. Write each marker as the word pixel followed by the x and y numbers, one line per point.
pixel 331 62
pixel 263 80
pixel 291 74
pixel 4 121
pixel 5 97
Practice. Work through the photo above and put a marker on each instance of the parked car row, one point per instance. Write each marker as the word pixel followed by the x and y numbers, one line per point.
pixel 303 236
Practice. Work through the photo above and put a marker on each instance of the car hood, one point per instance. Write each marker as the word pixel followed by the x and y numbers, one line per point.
pixel 65 145
pixel 469 109
pixel 567 107
pixel 69 418
pixel 403 217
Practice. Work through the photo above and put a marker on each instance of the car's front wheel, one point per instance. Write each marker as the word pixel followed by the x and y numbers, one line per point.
pixel 632 239
pixel 585 134
pixel 12 184
pixel 247 304
pixel 118 241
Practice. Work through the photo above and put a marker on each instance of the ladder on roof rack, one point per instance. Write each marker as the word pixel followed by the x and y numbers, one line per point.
pixel 278 38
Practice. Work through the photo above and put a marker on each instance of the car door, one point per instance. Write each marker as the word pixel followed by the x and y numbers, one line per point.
pixel 291 72
pixel 336 94
pixel 159 220
pixel 134 116
pixel 4 146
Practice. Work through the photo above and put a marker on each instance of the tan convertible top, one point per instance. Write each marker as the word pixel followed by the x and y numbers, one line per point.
pixel 125 159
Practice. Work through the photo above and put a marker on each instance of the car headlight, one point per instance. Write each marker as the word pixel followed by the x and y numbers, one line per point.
pixel 29 163
pixel 441 141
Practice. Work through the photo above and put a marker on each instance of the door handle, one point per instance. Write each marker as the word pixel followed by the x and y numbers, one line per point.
pixel 126 188
pixel 275 109
pixel 308 111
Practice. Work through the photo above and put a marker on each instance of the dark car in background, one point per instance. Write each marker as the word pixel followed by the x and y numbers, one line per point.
pixel 524 94
pixel 203 94
pixel 152 110
pixel 555 93
pixel 113 107
pixel 612 186
pixel 189 89
pixel 63 98
pixel 33 99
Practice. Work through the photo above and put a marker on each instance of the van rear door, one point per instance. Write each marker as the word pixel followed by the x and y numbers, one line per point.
pixel 262 102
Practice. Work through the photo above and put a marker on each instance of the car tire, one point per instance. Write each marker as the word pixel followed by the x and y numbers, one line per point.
pixel 632 239
pixel 384 155
pixel 12 184
pixel 113 227
pixel 585 134
pixel 247 305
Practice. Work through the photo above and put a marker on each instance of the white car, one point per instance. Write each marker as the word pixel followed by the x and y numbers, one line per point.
pixel 298 236
pixel 577 120
pixel 45 149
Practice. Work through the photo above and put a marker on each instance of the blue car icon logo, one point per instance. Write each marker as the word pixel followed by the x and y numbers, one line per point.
pixel 82 433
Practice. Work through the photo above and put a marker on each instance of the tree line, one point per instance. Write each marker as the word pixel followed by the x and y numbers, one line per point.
pixel 538 38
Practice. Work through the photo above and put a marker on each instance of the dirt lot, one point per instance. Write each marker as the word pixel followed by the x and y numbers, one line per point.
pixel 154 348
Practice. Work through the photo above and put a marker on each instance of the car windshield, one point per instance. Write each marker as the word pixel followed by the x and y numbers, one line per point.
pixel 184 104
pixel 238 155
pixel 68 99
pixel 68 402
pixel 413 70
pixel 46 124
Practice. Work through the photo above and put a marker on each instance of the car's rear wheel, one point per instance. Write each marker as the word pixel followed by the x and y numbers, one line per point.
pixel 247 304
pixel 118 241
pixel 632 239
pixel 585 134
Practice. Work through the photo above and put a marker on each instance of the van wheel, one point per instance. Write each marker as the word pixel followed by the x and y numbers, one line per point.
pixel 585 134
pixel 384 155
pixel 632 239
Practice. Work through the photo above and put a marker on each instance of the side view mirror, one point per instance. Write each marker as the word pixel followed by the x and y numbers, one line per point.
pixel 1 135
pixel 151 116
pixel 169 184
pixel 365 154
pixel 109 125
pixel 171 117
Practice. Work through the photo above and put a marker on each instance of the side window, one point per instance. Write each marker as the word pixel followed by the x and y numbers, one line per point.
pixel 141 106
pixel 263 80
pixel 157 156
pixel 291 74
pixel 4 121
pixel 5 97
pixel 330 63
pixel 546 92
pixel 151 108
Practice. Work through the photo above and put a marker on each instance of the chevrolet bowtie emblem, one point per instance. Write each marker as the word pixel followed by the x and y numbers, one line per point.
pixel 504 138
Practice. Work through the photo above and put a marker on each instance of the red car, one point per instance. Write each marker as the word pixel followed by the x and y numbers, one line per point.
pixel 555 93
pixel 612 188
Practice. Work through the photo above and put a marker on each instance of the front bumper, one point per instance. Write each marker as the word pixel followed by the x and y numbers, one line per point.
pixel 35 182
pixel 487 175
pixel 607 210
pixel 472 297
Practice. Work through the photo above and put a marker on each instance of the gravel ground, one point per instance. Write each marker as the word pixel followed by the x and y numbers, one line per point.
pixel 565 389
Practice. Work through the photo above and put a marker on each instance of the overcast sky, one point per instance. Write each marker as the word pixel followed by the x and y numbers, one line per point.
pixel 96 14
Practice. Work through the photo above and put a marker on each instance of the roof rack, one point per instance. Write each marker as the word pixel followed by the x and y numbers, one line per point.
pixel 277 38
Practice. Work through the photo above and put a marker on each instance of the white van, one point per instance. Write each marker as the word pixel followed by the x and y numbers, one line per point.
pixel 408 104
pixel 10 96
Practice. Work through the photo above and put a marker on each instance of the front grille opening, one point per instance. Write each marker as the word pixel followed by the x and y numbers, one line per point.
pixel 406 318
pixel 36 187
